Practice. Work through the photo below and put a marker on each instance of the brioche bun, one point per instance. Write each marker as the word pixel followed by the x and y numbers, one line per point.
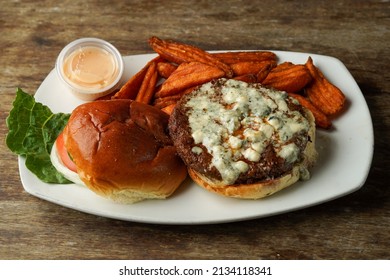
pixel 122 150
pixel 243 140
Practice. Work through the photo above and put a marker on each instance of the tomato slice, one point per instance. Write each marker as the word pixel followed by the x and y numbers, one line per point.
pixel 63 153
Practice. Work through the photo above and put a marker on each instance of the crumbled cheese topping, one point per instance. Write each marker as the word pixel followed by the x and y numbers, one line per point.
pixel 239 125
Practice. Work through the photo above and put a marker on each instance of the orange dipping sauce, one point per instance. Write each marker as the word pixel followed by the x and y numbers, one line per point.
pixel 90 67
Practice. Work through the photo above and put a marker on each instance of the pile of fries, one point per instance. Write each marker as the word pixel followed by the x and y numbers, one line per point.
pixel 182 67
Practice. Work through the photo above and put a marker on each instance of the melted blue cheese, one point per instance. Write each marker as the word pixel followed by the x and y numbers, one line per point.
pixel 236 128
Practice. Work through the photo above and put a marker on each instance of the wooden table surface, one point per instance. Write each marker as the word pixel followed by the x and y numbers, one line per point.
pixel 356 226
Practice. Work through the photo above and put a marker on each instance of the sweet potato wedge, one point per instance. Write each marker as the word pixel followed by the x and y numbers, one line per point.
pixel 321 119
pixel 165 69
pixel 288 77
pixel 248 78
pixel 178 53
pixel 263 72
pixel 168 109
pixel 188 75
pixel 130 89
pixel 250 67
pixel 161 102
pixel 146 91
pixel 322 93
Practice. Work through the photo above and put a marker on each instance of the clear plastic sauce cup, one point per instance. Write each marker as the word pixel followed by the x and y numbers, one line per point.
pixel 90 68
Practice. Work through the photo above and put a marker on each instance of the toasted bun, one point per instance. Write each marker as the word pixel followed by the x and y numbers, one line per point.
pixel 122 150
pixel 266 187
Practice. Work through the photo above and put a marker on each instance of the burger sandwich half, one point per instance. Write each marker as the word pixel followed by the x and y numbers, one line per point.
pixel 243 140
pixel 121 150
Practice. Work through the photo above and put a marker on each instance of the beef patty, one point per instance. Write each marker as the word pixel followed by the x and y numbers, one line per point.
pixel 239 133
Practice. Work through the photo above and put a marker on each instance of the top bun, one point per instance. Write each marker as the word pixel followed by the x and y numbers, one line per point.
pixel 122 150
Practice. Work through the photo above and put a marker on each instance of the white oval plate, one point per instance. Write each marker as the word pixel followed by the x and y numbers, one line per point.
pixel 345 155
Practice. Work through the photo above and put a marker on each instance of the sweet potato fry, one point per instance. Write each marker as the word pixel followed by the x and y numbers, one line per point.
pixel 322 93
pixel 146 91
pixel 234 57
pixel 169 109
pixel 288 77
pixel 321 119
pixel 165 69
pixel 248 78
pixel 249 67
pixel 164 103
pixel 283 66
pixel 188 75
pixel 263 72
pixel 167 100
pixel 161 102
pixel 130 89
pixel 179 52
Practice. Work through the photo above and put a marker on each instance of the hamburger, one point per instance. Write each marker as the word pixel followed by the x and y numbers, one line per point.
pixel 243 140
pixel 121 150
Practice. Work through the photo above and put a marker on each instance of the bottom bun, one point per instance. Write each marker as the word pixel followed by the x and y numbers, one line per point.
pixel 247 191
pixel 158 179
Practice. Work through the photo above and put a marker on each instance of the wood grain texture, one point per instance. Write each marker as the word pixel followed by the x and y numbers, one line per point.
pixel 32 33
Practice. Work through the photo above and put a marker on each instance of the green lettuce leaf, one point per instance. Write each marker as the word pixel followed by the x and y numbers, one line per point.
pixel 33 129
